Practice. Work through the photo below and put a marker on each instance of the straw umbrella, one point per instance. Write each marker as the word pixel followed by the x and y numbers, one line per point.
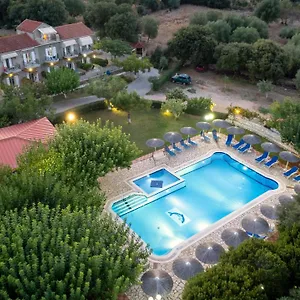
pixel 288 157
pixel 173 137
pixel 269 211
pixel 155 143
pixel 234 236
pixel 203 125
pixel 270 147
pixel 185 268
pixel 251 139
pixel 188 131
pixel 235 130
pixel 221 124
pixel 209 253
pixel 255 225
pixel 157 282
pixel 297 188
pixel 286 199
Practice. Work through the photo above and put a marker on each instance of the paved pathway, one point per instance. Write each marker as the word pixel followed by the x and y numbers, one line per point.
pixel 67 104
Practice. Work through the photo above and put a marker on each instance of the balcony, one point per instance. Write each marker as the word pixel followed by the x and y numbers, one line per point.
pixel 32 64
pixel 70 54
pixel 12 70
pixel 51 59
pixel 87 51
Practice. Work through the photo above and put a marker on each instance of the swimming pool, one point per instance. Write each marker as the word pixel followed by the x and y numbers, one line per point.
pixel 213 188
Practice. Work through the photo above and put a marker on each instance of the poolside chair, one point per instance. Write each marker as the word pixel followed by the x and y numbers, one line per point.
pixel 291 172
pixel 297 178
pixel 229 140
pixel 176 148
pixel 184 145
pixel 215 135
pixel 272 162
pixel 244 148
pixel 168 151
pixel 205 137
pixel 239 144
pixel 191 142
pixel 263 157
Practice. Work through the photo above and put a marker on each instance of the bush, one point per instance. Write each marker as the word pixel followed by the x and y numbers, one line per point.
pixel 127 78
pixel 141 10
pixel 99 61
pixel 199 106
pixel 84 66
pixel 156 56
pixel 213 16
pixel 221 4
pixel 287 32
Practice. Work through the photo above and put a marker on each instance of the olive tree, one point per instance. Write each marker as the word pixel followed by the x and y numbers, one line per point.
pixel 175 106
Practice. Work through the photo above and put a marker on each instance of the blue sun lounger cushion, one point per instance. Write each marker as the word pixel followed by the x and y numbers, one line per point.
pixel 229 139
pixel 244 148
pixel 262 157
pixel 170 152
pixel 239 144
pixel 272 162
pixel 191 142
pixel 184 145
pixel 297 178
pixel 176 148
pixel 291 171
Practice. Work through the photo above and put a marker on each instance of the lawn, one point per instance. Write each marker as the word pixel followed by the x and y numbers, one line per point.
pixel 145 124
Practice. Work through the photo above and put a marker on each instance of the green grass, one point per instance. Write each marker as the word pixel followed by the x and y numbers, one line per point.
pixel 145 124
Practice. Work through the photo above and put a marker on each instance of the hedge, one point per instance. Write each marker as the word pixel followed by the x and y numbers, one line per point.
pixel 99 61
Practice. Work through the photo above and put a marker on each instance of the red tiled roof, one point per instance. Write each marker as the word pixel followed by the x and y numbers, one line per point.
pixel 71 31
pixel 138 45
pixel 16 42
pixel 29 25
pixel 13 139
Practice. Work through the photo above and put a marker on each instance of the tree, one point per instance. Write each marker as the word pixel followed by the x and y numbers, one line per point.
pixel 297 80
pixel 156 56
pixel 287 32
pixel 150 27
pixel 134 64
pixel 62 80
pixel 119 2
pixel 293 54
pixel 24 104
pixel 199 18
pixel 124 8
pixel 293 295
pixel 234 21
pixel 52 12
pixel 176 93
pixel 153 5
pixel 163 63
pixel 218 4
pixel 175 106
pixel 107 87
pixel 265 86
pixel 75 7
pixel 268 61
pixel 259 25
pixel 99 13
pixel 224 282
pixel 214 16
pixel 221 30
pixel 123 26
pixel 245 34
pixel 285 7
pixel 199 106
pixel 268 10
pixel 115 47
pixel 65 254
pixel 173 4
pixel 295 40
pixel 194 43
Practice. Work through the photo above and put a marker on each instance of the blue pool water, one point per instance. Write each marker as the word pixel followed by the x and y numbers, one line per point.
pixel 214 188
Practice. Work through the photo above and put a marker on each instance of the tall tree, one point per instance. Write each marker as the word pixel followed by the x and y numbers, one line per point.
pixel 65 254
pixel 193 43
pixel 150 27
pixel 265 86
pixel 259 25
pixel 129 102
pixel 285 8
pixel 175 106
pixel 115 47
pixel 245 35
pixel 234 21
pixel 123 26
pixel 268 10
pixel 62 80
pixel 221 30
pixel 134 64
pixel 75 7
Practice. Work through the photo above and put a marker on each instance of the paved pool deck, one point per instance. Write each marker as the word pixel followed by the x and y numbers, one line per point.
pixel 116 185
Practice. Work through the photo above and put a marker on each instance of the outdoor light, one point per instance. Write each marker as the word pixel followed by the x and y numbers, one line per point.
pixel 11 75
pixel 237 111
pixel 94 56
pixel 150 298
pixel 158 297
pixel 209 117
pixel 52 64
pixel 84 55
pixel 69 59
pixel 71 117
pixel 30 70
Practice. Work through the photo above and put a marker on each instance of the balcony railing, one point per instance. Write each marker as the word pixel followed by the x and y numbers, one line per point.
pixel 13 69
pixel 87 50
pixel 32 64
pixel 50 59
pixel 71 54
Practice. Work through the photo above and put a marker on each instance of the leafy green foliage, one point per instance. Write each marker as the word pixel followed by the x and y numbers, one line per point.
pixel 63 254
pixel 245 35
pixel 83 66
pixel 221 30
pixel 268 61
pixel 221 4
pixel 294 295
pixel 175 106
pixel 62 80
pixel 75 7
pixel 268 10
pixel 163 63
pixel 199 106
pixel 134 64
pixel 297 80
pixel 106 87
pixel 156 56
pixel 295 40
pixel 293 54
pixel 285 8
pixel 258 24
pixel 199 18
pixel 286 118
pixel 99 61
pixel 194 43
pixel 287 32
pixel 150 27
pixel 265 86
pixel 123 26
pixel 234 21
pixel 176 93
pixel 153 5
pixel 115 47
pixel 24 104
pixel 214 16
pixel 173 4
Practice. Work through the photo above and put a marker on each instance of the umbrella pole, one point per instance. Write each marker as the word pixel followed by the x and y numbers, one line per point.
pixel 219 129
pixel 286 166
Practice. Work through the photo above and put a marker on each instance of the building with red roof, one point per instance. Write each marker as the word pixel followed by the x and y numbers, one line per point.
pixel 29 25
pixel 14 139
pixel 72 31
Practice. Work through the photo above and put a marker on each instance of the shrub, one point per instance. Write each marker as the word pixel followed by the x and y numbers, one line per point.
pixel 141 10
pixel 199 106
pixel 287 32
pixel 156 56
pixel 99 61
pixel 213 16
pixel 84 66
pixel 127 78
pixel 199 18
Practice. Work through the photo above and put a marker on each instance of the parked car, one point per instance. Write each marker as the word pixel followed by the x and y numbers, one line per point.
pixel 201 68
pixel 182 78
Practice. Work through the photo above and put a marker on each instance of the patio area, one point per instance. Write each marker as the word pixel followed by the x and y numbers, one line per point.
pixel 116 186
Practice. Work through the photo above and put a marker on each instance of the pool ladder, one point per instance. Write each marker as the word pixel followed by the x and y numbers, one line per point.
pixel 129 204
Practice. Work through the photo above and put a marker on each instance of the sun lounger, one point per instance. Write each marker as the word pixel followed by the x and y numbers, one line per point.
pixel 184 145
pixel 239 144
pixel 257 236
pixel 168 151
pixel 262 157
pixel 191 142
pixel 291 172
pixel 229 140
pixel 244 148
pixel 272 162
pixel 297 178
pixel 176 148
pixel 215 135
